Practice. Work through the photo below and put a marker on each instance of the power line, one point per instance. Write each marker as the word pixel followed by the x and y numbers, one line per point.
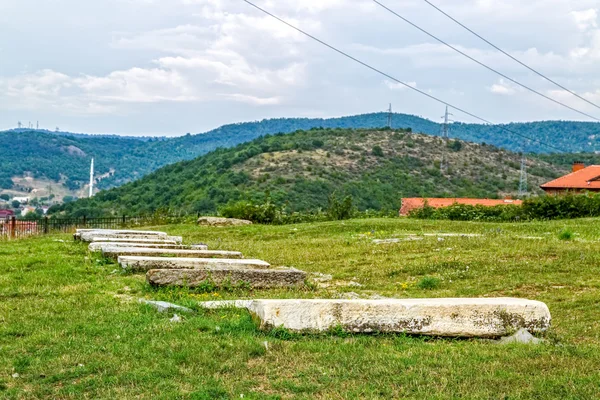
pixel 397 80
pixel 512 57
pixel 485 65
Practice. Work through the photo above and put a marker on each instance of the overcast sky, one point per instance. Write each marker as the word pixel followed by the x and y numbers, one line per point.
pixel 168 67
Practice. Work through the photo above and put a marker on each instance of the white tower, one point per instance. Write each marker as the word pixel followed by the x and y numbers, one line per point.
pixel 92 178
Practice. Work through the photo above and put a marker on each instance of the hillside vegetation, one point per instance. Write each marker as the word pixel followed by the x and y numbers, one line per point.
pixel 65 158
pixel 300 171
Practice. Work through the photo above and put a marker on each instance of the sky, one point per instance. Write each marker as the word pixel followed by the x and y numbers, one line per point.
pixel 169 67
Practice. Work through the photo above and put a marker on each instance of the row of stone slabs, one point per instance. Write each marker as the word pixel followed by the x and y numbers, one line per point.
pixel 169 263
pixel 181 266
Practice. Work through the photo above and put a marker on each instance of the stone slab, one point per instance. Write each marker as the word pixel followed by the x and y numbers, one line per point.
pixel 121 241
pixel 116 252
pixel 163 306
pixel 255 278
pixel 218 221
pixel 485 317
pixel 124 231
pixel 136 263
pixel 97 237
pixel 105 232
pixel 99 246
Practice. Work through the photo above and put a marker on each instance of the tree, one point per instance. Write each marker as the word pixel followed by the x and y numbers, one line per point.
pixel 16 204
pixel 377 151
pixel 4 197
pixel 455 145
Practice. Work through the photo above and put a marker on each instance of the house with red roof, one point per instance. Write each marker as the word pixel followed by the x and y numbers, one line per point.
pixel 582 179
pixel 6 213
pixel 410 204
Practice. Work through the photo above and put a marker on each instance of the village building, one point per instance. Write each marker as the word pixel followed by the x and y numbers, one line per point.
pixel 6 214
pixel 22 200
pixel 410 204
pixel 581 179
pixel 26 210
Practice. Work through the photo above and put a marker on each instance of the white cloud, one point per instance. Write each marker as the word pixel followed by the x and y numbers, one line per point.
pixel 502 88
pixel 586 19
pixel 138 85
pixel 398 86
pixel 257 101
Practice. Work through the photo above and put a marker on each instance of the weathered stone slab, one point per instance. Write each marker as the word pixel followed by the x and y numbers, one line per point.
pixel 98 246
pixel 163 306
pixel 218 221
pixel 486 317
pixel 147 263
pixel 114 232
pixel 122 241
pixel 97 237
pixel 255 278
pixel 115 252
pixel 123 231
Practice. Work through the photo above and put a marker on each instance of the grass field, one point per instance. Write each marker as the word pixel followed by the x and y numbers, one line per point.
pixel 71 325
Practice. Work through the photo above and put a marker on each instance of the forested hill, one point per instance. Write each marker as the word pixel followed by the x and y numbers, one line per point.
pixel 300 170
pixel 65 157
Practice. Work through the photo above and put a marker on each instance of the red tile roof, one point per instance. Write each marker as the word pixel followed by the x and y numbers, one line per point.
pixel 587 178
pixel 410 204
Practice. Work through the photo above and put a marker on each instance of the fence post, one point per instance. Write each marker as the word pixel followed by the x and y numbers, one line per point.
pixel 46 225
pixel 124 220
pixel 84 220
pixel 13 227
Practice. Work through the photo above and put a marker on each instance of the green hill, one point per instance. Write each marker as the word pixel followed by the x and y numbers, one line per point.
pixel 300 170
pixel 65 157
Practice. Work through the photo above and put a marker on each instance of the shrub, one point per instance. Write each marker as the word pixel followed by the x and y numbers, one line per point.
pixel 266 213
pixel 377 151
pixel 540 208
pixel 429 283
pixel 565 234
pixel 340 210
pixel 454 145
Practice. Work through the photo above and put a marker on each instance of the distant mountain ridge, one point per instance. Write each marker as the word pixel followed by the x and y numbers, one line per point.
pixel 42 154
pixel 300 170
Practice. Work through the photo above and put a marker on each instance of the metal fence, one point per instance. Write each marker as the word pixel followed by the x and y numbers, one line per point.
pixel 13 228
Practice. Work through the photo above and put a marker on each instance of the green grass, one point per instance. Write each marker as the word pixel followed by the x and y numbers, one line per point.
pixel 71 326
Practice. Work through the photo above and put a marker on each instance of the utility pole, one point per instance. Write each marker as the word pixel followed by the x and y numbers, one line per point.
pixel 92 178
pixel 19 124
pixel 523 180
pixel 389 119
pixel 37 125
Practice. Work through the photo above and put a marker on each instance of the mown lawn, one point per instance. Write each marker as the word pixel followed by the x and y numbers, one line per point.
pixel 71 325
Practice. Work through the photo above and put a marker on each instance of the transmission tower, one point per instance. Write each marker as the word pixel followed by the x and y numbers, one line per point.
pixel 389 119
pixel 20 124
pixel 523 180
pixel 445 133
